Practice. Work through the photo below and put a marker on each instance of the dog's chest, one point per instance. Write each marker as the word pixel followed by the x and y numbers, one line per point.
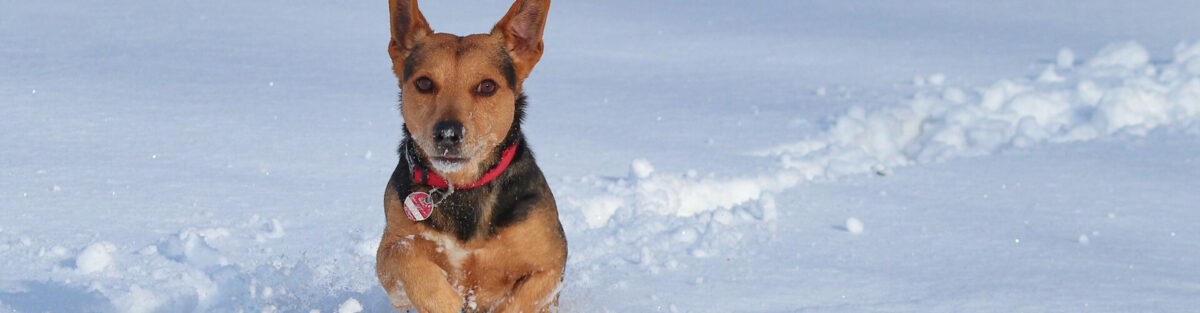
pixel 464 214
pixel 450 248
pixel 481 271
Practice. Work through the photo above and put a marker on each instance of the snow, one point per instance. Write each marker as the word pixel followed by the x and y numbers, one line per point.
pixel 137 301
pixel 192 247
pixel 350 306
pixel 640 168
pixel 448 166
pixel 854 226
pixel 1009 113
pixel 1065 59
pixel 706 156
pixel 96 257
pixel 1128 55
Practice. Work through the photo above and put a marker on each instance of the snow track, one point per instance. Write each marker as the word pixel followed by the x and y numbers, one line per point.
pixel 1117 92
pixel 651 219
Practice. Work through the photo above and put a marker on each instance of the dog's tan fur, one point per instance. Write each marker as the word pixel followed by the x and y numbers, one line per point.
pixel 513 268
pixel 518 270
pixel 457 65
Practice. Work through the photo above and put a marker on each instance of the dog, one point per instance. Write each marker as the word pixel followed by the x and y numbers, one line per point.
pixel 471 223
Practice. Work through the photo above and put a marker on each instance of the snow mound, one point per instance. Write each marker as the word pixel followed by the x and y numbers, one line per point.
pixel 195 270
pixel 673 194
pixel 938 124
pixel 641 168
pixel 854 225
pixel 1066 58
pixel 1117 92
pixel 95 258
pixel 1130 55
pixel 350 306
pixel 138 300
pixel 191 246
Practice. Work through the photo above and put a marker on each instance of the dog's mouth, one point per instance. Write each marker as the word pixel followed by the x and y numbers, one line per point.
pixel 451 159
pixel 449 163
pixel 451 155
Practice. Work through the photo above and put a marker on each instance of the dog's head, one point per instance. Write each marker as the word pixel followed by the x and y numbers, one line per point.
pixel 460 96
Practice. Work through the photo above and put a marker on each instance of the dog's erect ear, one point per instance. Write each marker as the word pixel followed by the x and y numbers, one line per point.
pixel 521 30
pixel 408 27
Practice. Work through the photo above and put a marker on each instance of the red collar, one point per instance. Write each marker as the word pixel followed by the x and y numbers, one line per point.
pixel 437 181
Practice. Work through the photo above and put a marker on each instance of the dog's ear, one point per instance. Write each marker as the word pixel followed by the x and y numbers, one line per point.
pixel 408 27
pixel 521 30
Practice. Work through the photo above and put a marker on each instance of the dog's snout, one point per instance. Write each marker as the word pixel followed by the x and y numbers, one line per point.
pixel 448 133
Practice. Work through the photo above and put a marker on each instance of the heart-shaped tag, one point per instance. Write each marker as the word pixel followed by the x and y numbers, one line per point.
pixel 418 206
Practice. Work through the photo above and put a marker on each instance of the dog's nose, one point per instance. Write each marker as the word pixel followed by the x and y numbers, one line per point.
pixel 447 133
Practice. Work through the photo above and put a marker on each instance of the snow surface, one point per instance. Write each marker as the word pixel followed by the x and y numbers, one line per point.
pixel 707 156
pixel 96 257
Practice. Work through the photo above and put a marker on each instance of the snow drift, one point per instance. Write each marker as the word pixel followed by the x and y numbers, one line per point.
pixel 1119 91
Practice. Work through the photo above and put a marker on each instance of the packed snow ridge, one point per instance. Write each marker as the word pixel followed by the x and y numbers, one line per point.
pixel 1118 91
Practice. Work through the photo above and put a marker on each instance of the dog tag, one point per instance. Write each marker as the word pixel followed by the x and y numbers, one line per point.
pixel 418 206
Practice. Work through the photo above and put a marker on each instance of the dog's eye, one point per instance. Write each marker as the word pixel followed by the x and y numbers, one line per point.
pixel 423 84
pixel 486 88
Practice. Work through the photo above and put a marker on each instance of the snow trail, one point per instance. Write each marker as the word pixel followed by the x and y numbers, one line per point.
pixel 1117 92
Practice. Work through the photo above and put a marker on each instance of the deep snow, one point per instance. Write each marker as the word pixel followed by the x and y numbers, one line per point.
pixel 711 156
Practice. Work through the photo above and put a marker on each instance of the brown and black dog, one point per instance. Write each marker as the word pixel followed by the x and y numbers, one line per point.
pixel 471 223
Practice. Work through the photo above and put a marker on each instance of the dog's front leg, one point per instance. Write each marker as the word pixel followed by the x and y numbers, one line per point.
pixel 534 294
pixel 423 281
